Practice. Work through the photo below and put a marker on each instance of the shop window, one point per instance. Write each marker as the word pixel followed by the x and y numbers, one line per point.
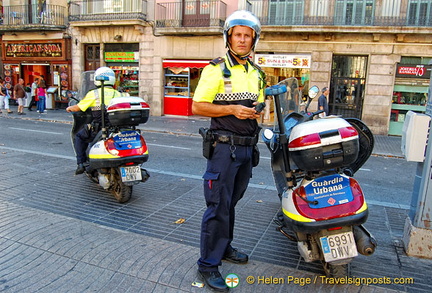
pixel 177 82
pixel 61 79
pixel 275 75
pixel 410 92
pixel 181 80
pixel 407 98
pixel 127 80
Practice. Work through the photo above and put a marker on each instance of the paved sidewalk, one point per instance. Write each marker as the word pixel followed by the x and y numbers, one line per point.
pixel 44 251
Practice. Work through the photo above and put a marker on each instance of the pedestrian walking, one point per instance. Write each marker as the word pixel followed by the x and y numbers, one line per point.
pixel 41 94
pixel 20 95
pixel 34 97
pixel 323 103
pixel 4 97
pixel 227 92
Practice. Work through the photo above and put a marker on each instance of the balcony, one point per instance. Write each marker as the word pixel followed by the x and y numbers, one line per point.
pixel 190 17
pixel 106 11
pixel 33 17
pixel 395 15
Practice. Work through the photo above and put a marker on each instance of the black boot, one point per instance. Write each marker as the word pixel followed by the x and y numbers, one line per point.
pixel 235 256
pixel 214 280
pixel 80 169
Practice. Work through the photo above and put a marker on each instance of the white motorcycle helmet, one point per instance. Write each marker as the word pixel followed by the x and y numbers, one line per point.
pixel 244 18
pixel 105 71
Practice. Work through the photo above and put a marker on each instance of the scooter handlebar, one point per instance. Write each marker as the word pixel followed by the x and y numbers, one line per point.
pixel 317 112
pixel 309 115
pixel 275 90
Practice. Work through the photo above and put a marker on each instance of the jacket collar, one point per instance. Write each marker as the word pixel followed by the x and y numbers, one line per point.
pixel 232 61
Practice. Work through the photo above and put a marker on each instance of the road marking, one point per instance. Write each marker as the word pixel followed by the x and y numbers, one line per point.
pixel 199 177
pixel 168 146
pixel 32 130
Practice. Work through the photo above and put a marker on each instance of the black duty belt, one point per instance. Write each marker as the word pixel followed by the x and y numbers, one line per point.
pixel 235 139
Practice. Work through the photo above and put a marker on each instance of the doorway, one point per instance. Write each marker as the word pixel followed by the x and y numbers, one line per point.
pixel 92 57
pixel 196 13
pixel 347 85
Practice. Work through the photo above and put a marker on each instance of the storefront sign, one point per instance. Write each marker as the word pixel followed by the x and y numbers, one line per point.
pixel 413 71
pixel 34 50
pixel 121 57
pixel 285 61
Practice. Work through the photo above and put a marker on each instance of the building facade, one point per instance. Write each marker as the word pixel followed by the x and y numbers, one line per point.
pixel 373 54
pixel 35 44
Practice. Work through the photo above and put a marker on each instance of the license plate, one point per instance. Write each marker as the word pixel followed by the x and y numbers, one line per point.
pixel 338 246
pixel 132 173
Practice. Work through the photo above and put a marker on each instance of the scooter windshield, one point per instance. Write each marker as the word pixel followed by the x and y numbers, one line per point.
pixel 87 84
pixel 290 101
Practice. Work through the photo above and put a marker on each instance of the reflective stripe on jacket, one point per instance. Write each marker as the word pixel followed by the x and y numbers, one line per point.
pixel 92 99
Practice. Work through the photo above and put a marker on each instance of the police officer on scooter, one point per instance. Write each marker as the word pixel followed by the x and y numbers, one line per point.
pixel 92 100
pixel 228 91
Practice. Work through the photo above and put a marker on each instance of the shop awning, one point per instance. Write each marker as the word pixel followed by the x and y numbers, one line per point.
pixel 185 63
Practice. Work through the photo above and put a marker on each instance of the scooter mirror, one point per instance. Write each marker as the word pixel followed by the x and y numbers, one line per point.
pixel 313 91
pixel 268 134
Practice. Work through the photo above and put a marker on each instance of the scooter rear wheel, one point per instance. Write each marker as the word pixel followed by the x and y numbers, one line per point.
pixel 121 192
pixel 336 271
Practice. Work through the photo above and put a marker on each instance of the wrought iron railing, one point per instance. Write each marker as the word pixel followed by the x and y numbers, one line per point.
pixel 415 13
pixel 100 10
pixel 190 14
pixel 19 16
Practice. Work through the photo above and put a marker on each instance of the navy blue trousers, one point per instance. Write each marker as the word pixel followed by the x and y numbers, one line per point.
pixel 82 140
pixel 225 183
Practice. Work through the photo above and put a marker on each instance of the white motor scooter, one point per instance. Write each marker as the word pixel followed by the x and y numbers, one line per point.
pixel 313 161
pixel 116 154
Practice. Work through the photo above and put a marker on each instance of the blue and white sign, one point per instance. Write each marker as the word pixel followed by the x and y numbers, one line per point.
pixel 328 191
pixel 127 140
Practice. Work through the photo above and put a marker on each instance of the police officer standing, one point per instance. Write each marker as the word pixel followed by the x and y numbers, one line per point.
pixel 228 91
pixel 92 100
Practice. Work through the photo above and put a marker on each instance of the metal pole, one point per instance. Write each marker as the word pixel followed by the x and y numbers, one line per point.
pixel 104 134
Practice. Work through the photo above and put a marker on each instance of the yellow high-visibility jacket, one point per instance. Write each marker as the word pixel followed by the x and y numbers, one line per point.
pixel 225 82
